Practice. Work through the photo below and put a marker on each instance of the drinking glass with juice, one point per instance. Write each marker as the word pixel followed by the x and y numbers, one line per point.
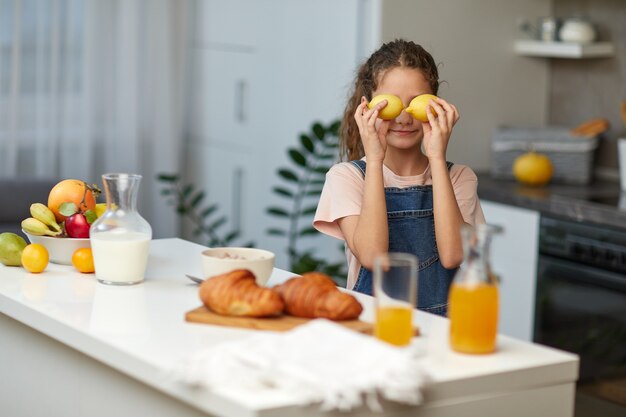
pixel 395 292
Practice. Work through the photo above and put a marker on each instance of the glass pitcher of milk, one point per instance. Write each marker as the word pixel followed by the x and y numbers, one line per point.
pixel 120 238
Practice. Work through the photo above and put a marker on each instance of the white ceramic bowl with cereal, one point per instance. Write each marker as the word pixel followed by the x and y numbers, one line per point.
pixel 216 261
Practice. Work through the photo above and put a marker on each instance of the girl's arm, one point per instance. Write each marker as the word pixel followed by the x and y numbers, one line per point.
pixel 367 235
pixel 448 217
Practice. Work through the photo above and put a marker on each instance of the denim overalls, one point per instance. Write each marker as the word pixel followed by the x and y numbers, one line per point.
pixel 412 230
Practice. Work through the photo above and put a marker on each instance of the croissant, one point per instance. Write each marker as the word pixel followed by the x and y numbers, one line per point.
pixel 315 295
pixel 236 293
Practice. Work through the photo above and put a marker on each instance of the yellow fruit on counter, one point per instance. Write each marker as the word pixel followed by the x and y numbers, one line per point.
pixel 35 258
pixel 393 108
pixel 82 259
pixel 533 168
pixel 100 209
pixel 11 248
pixel 417 107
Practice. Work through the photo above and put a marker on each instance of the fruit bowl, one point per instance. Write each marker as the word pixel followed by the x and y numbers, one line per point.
pixel 60 249
pixel 216 261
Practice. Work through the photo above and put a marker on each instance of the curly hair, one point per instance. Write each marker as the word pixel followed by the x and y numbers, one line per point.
pixel 398 53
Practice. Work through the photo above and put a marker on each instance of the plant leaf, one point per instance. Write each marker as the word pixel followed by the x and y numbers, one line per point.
pixel 187 189
pixel 308 211
pixel 91 216
pixel 276 211
pixel 231 236
pixel 197 199
pixel 334 127
pixel 207 211
pixel 307 231
pixel 319 131
pixel 283 191
pixel 314 192
pixel 67 209
pixel 297 157
pixel 167 177
pixel 288 174
pixel 276 232
pixel 217 223
pixel 321 169
pixel 307 143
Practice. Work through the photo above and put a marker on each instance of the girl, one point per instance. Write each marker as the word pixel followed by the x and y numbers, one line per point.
pixel 397 193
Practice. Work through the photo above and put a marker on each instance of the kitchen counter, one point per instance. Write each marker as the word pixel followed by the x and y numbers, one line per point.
pixel 599 202
pixel 73 347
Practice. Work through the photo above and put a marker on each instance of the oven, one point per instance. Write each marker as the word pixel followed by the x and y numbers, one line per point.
pixel 581 308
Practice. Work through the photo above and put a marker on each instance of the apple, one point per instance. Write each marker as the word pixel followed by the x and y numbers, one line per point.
pixel 77 226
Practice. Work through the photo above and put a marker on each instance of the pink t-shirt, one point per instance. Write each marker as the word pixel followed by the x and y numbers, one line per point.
pixel 343 193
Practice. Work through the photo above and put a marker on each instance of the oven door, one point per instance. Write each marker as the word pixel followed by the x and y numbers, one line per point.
pixel 582 309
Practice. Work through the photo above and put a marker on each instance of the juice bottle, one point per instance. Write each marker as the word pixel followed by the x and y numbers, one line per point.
pixel 473 299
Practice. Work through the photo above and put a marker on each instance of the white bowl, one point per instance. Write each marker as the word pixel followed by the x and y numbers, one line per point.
pixel 216 261
pixel 60 249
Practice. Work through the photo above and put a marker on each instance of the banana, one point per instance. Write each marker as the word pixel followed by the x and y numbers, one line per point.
pixel 42 213
pixel 37 227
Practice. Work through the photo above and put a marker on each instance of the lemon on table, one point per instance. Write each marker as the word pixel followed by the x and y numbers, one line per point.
pixel 82 259
pixel 393 108
pixel 417 107
pixel 533 168
pixel 35 258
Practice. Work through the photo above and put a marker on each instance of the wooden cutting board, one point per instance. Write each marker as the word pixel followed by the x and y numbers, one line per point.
pixel 279 324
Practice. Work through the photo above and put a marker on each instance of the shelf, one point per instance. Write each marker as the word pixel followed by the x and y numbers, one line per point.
pixel 564 49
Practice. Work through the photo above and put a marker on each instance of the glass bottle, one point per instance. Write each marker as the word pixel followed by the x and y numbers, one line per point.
pixel 120 238
pixel 473 301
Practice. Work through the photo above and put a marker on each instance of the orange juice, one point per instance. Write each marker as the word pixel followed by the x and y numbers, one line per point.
pixel 394 324
pixel 473 313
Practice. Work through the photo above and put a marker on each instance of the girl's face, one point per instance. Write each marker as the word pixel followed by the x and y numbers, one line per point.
pixel 405 132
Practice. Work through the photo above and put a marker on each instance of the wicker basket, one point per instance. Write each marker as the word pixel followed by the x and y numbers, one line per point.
pixel 571 156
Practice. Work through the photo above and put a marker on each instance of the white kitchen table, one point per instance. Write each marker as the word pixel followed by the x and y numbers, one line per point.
pixel 70 346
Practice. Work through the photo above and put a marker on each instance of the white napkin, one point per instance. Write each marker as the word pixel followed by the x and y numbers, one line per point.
pixel 317 362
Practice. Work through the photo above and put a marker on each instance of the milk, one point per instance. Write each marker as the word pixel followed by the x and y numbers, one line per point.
pixel 120 258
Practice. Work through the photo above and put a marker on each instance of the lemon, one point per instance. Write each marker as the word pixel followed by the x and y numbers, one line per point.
pixel 100 209
pixel 533 168
pixel 393 108
pixel 417 107
pixel 35 258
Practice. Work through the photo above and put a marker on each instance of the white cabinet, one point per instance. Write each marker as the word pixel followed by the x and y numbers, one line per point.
pixel 261 72
pixel 514 259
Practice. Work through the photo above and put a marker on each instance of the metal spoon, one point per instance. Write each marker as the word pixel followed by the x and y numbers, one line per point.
pixel 195 279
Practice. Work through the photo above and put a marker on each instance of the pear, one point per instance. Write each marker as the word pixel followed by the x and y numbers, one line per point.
pixel 11 248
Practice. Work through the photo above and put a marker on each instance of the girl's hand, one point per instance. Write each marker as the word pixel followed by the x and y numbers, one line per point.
pixel 439 128
pixel 373 131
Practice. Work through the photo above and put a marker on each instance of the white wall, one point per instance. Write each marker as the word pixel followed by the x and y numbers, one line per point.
pixel 473 42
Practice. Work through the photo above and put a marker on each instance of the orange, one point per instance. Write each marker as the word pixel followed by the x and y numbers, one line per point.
pixel 35 258
pixel 82 259
pixel 70 191
pixel 473 313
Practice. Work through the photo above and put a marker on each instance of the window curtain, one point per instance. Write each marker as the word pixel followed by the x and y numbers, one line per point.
pixel 94 86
